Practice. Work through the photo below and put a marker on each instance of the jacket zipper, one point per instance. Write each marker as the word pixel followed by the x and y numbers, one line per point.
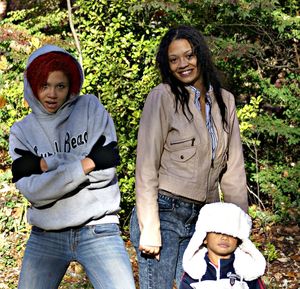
pixel 183 141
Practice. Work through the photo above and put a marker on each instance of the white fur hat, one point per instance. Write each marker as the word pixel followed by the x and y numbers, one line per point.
pixel 225 218
pixel 229 219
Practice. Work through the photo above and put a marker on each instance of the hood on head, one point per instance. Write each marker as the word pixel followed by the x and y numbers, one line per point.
pixel 32 101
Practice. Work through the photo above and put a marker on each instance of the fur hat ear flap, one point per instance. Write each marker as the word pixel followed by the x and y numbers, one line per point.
pixel 194 245
pixel 249 262
pixel 195 264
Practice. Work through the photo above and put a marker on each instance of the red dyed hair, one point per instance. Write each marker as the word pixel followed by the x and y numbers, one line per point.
pixel 39 69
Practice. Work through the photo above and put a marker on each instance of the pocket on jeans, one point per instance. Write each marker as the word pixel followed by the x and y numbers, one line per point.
pixel 165 203
pixel 103 230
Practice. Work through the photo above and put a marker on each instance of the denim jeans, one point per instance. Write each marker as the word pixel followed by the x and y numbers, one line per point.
pixel 177 224
pixel 98 248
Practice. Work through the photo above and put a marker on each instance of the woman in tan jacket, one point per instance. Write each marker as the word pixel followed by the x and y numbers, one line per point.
pixel 189 149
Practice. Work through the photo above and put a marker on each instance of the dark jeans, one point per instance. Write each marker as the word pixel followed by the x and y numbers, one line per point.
pixel 177 222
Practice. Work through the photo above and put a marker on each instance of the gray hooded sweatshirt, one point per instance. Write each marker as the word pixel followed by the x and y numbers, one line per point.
pixel 64 196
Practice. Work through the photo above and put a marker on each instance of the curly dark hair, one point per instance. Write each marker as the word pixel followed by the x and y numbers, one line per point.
pixel 204 62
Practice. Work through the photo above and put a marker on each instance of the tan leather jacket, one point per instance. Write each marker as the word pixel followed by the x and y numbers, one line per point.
pixel 174 154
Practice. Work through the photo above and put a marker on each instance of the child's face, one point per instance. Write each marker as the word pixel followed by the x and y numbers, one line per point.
pixel 220 246
pixel 54 93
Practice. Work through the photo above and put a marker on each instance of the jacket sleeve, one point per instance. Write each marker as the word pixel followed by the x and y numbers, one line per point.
pixel 233 182
pixel 99 123
pixel 152 134
pixel 256 284
pixel 61 178
pixel 50 186
pixel 64 175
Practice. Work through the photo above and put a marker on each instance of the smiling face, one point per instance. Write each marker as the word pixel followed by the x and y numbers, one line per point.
pixel 54 92
pixel 220 246
pixel 183 63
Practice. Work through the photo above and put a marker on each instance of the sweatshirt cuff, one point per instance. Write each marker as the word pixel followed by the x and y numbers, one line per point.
pixel 52 162
pixel 75 172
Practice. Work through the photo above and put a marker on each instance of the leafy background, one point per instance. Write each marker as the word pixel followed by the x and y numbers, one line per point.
pixel 255 45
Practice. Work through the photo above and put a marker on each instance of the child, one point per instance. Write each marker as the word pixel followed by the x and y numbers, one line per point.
pixel 220 253
pixel 64 157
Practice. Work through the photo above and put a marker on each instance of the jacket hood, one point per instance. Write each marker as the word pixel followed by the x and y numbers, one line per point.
pixel 32 101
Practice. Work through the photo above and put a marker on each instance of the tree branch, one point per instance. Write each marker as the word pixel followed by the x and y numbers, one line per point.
pixel 77 43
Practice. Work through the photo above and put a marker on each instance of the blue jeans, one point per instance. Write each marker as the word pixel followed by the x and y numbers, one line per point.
pixel 177 224
pixel 98 248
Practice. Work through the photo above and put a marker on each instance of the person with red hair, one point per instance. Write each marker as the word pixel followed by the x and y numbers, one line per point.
pixel 64 163
pixel 38 71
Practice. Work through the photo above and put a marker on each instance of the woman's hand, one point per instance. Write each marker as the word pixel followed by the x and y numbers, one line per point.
pixel 26 165
pixel 104 157
pixel 151 251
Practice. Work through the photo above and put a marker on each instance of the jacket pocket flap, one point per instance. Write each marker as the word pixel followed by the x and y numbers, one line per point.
pixel 183 155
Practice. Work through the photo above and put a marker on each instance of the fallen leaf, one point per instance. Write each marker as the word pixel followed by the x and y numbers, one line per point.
pixel 278 276
pixel 291 274
pixel 283 260
pixel 2 101
pixel 3 63
pixel 291 230
pixel 296 258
